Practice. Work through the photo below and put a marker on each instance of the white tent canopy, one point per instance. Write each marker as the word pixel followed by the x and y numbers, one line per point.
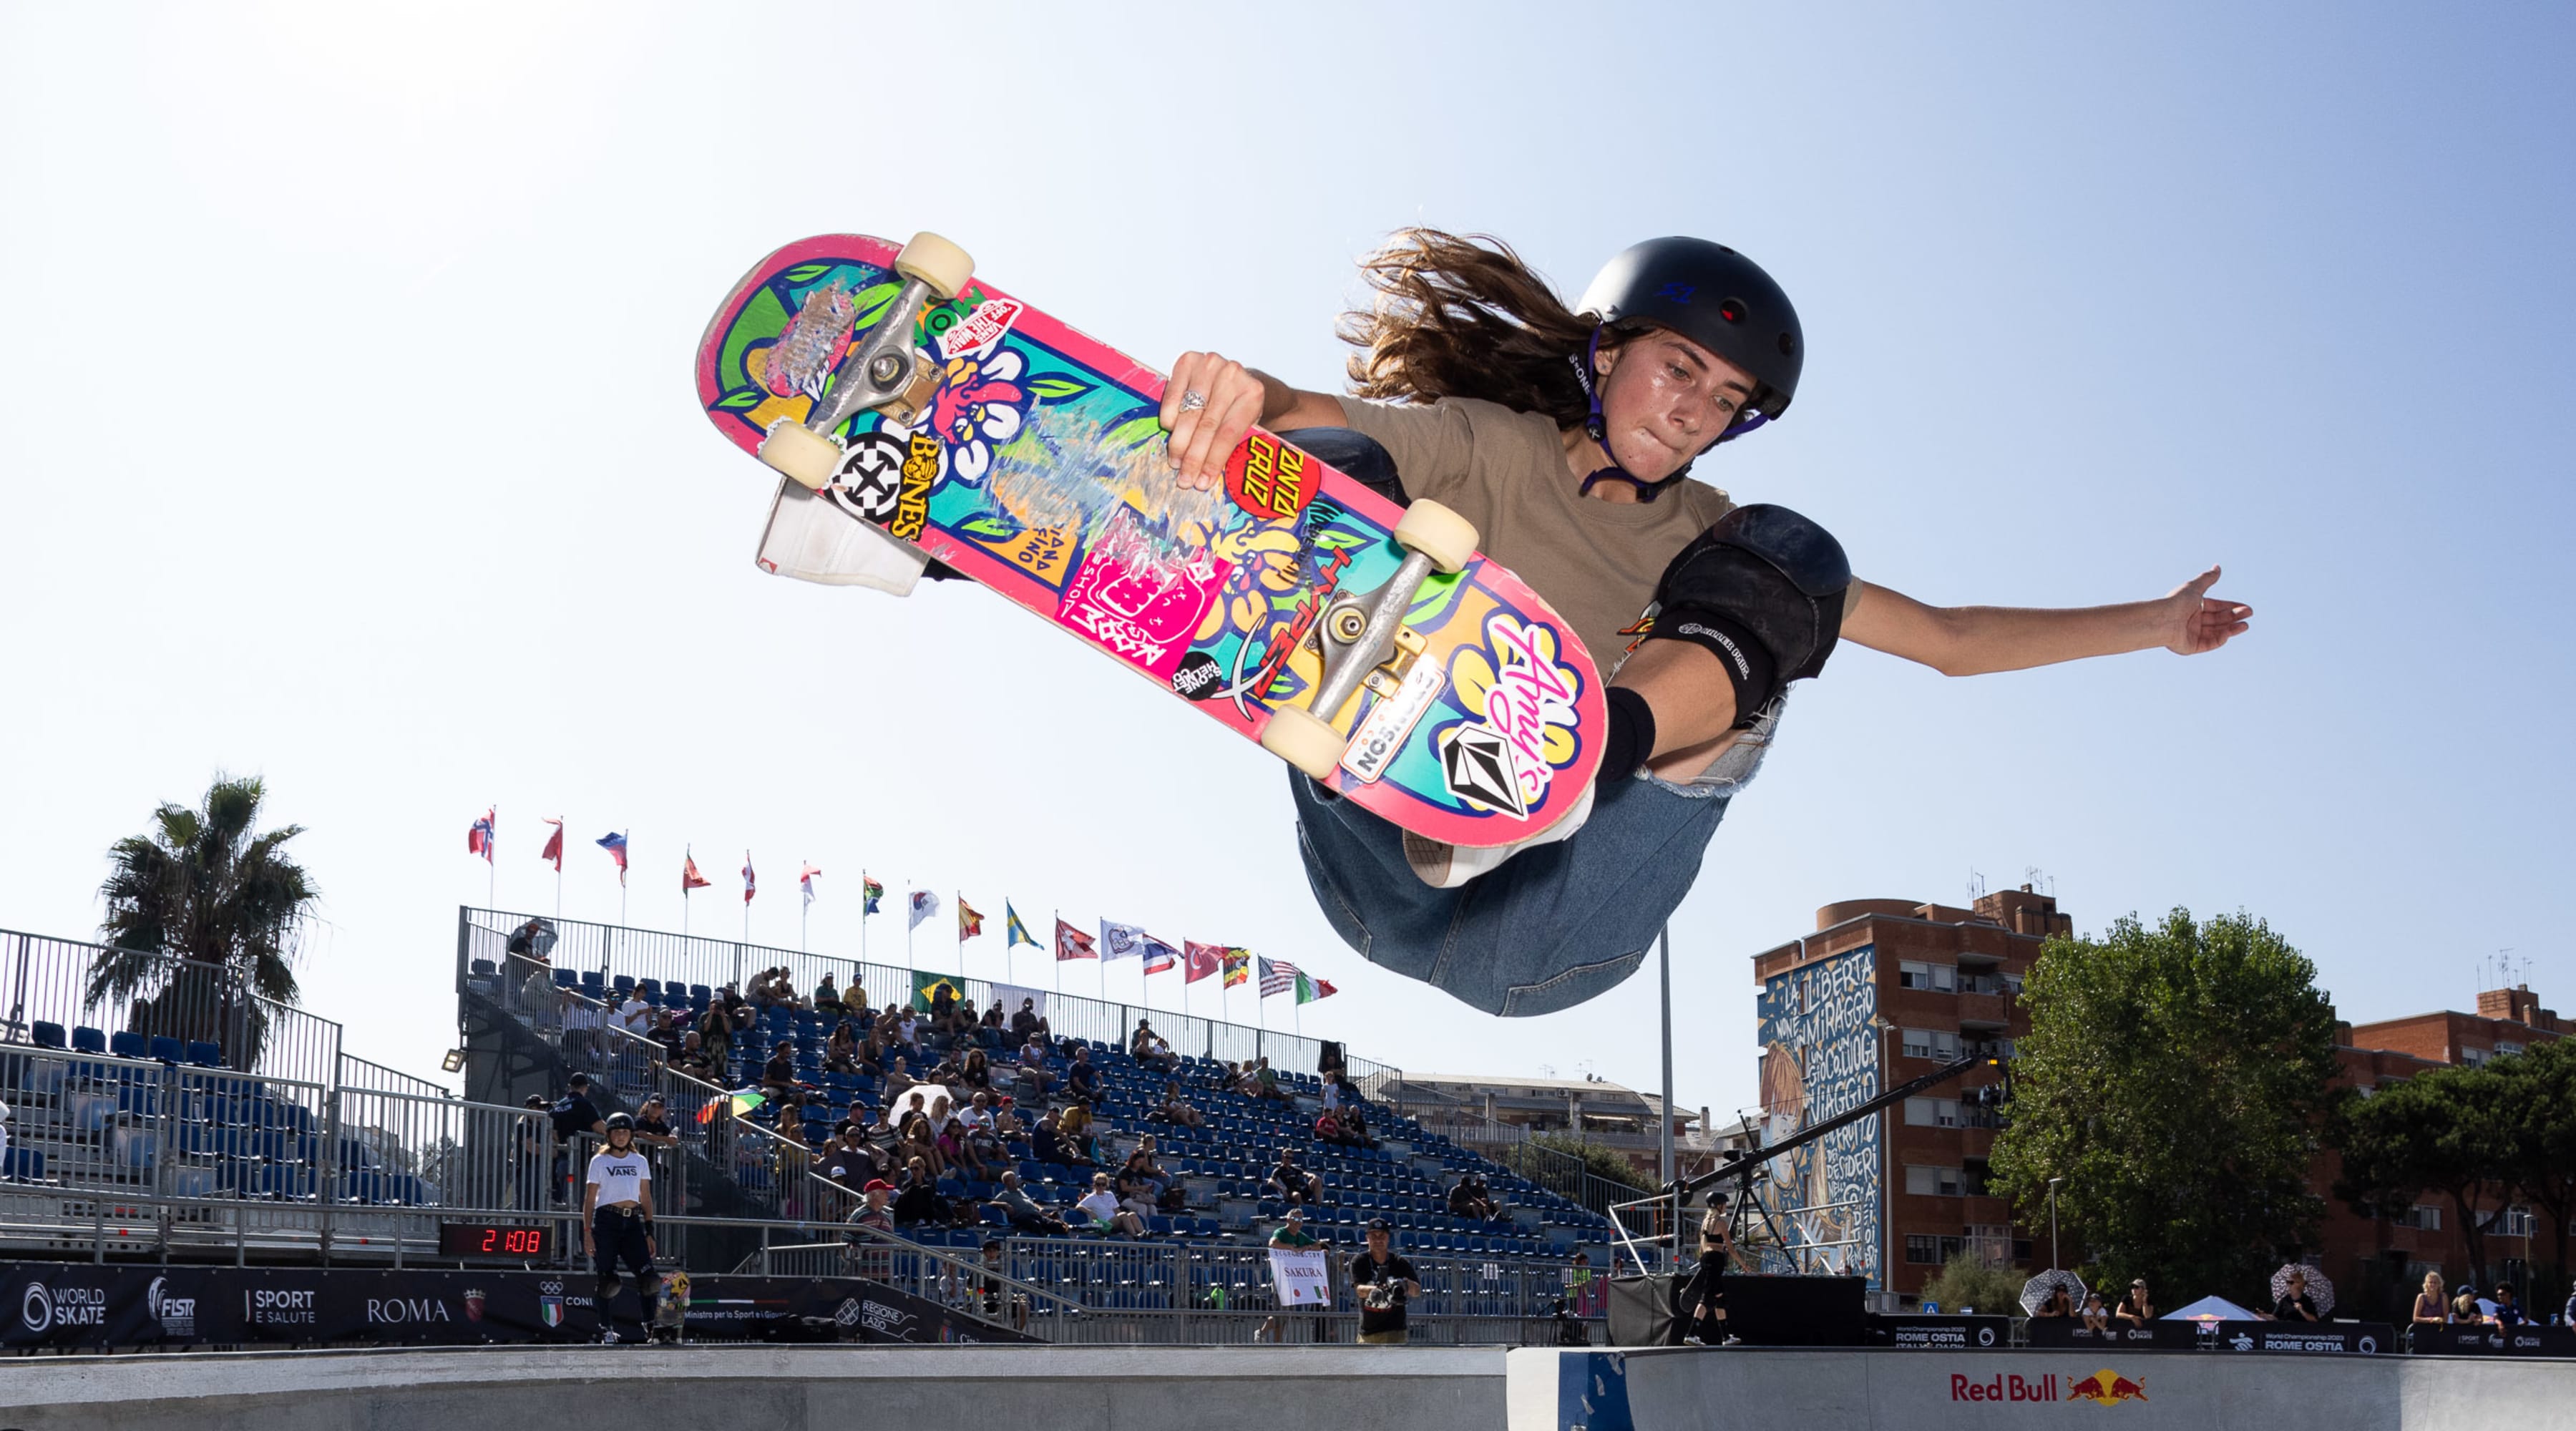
pixel 2211 1309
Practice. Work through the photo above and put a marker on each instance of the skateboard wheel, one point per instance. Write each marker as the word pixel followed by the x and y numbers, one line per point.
pixel 1296 736
pixel 937 262
pixel 802 453
pixel 1438 533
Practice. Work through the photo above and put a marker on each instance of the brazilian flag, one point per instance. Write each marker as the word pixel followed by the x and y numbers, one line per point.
pixel 926 987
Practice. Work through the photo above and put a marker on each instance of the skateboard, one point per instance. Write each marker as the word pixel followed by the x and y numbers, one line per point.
pixel 671 1311
pixel 921 414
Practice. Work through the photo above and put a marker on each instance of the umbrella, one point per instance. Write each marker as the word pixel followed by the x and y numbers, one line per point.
pixel 2320 1291
pixel 2210 1309
pixel 2035 1291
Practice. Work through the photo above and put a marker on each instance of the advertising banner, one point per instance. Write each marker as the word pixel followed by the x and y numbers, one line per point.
pixel 2525 1340
pixel 1302 1277
pixel 65 1305
pixel 1937 1333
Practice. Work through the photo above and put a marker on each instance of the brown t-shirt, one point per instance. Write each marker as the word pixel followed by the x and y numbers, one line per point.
pixel 1596 562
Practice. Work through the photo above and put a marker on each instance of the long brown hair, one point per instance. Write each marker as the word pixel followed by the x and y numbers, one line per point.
pixel 1465 317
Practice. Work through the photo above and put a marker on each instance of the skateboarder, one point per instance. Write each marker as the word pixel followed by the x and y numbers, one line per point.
pixel 1565 436
pixel 617 1222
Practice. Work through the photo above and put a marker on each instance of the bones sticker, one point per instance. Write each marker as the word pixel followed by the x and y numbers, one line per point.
pixel 869 477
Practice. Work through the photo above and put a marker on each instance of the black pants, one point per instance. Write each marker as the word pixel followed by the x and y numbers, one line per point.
pixel 617 1235
pixel 1706 1289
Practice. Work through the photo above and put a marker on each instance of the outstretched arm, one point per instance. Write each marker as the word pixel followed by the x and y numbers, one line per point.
pixel 1973 640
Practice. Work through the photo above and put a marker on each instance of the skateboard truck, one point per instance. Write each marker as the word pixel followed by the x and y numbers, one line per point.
pixel 886 373
pixel 1363 640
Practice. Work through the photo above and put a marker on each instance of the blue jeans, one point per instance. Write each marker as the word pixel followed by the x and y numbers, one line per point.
pixel 1551 928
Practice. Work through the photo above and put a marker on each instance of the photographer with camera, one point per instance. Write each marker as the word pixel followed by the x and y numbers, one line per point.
pixel 1383 1282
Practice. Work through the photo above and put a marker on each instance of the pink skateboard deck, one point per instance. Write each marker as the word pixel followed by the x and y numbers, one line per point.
pixel 1038 468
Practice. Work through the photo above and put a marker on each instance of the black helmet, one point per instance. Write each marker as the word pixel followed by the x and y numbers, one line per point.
pixel 1715 297
pixel 620 1120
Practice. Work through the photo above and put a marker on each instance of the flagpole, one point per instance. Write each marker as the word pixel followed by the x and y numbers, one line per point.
pixel 1056 933
pixel 863 914
pixel 909 924
pixel 961 932
pixel 492 865
pixel 621 880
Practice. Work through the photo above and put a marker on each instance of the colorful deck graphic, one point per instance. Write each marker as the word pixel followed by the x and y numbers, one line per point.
pixel 1038 468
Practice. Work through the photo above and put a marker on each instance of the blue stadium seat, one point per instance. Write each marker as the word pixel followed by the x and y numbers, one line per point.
pixel 205 1055
pixel 137 1148
pixel 192 1182
pixel 27 1164
pixel 483 966
pixel 88 1040
pixel 168 1049
pixel 126 1043
pixel 47 1035
pixel 622 983
pixel 141 1100
pixel 567 979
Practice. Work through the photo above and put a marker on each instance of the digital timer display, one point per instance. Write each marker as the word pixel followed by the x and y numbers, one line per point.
pixel 487 1239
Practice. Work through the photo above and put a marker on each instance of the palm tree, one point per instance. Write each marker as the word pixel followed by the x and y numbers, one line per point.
pixel 201 887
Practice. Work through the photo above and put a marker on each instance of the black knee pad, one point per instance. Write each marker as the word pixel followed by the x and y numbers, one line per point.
pixel 1772 573
pixel 1355 454
pixel 608 1287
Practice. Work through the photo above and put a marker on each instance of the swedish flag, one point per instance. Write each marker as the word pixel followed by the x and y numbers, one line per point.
pixel 1016 932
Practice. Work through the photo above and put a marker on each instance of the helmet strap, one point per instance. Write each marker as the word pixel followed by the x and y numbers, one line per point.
pixel 1599 431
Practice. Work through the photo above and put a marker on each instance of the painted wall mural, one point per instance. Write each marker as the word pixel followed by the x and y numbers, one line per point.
pixel 1820 1057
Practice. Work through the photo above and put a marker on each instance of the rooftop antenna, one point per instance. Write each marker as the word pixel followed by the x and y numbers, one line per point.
pixel 1976 885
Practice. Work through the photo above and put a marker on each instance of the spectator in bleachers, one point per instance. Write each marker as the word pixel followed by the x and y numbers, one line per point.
pixel 1023 1210
pixel 1177 1109
pixel 919 1140
pixel 693 1059
pixel 575 1117
pixel 1469 1199
pixel 1148 1048
pixel 869 1256
pixel 532 940
pixel 990 1284
pixel 976 1072
pixel 843 1157
pixel 2508 1311
pixel 1293 1182
pixel 1006 1125
pixel 876 1048
pixel 778 1077
pixel 1137 1190
pixel 730 1000
pixel 1168 1192
pixel 2096 1320
pixel 1328 1129
pixel 958 1150
pixel 667 1036
pixel 898 1079
pixel 841 1050
pixel 1081 1132
pixel 978 1112
pixel 914 1112
pixel 1354 1116
pixel 1265 1083
pixel 1026 1024
pixel 581 1029
pixel 918 1202
pixel 715 1036
pixel 1385 1282
pixel 827 999
pixel 634 1015
pixel 1107 1214
pixel 907 1031
pixel 653 1135
pixel 1035 1078
pixel 1048 1142
pixel 994 1024
pixel 854 1003
pixel 1291 1234
pixel 1082 1080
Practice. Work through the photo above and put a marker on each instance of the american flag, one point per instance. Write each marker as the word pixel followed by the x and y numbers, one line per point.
pixel 478 838
pixel 1278 976
pixel 615 843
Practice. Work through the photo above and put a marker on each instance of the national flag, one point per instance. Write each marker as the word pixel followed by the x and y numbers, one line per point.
pixel 736 1104
pixel 1120 941
pixel 1238 966
pixel 1278 976
pixel 805 882
pixel 615 843
pixel 1310 988
pixel 869 893
pixel 554 845
pixel 750 882
pixel 478 836
pixel 1015 933
pixel 926 987
pixel 689 877
pixel 1072 943
pixel 924 905
pixel 1159 956
pixel 969 923
pixel 1204 959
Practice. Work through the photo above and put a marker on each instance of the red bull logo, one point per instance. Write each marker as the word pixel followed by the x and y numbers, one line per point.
pixel 2003 1386
pixel 2107 1388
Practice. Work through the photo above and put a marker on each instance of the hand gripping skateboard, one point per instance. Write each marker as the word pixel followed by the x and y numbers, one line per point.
pixel 920 414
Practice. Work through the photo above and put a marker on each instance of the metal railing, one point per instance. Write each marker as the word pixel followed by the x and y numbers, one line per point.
pixel 687 959
pixel 46 980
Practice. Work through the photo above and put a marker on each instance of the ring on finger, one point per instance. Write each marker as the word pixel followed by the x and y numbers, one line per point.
pixel 1192 400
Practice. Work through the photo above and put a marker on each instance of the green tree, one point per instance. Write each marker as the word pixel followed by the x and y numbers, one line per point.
pixel 1966 1281
pixel 2441 1131
pixel 201 885
pixel 2540 1140
pixel 2176 1078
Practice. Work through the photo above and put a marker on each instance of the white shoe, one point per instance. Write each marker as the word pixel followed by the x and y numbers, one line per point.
pixel 608 1336
pixel 1444 866
pixel 1693 1341
pixel 811 538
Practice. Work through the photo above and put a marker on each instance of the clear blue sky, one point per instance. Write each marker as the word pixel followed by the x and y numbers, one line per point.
pixel 349 440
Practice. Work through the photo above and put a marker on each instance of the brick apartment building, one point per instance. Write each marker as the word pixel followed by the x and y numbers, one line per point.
pixel 1885 990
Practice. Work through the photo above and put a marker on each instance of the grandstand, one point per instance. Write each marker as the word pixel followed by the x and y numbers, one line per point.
pixel 223 1128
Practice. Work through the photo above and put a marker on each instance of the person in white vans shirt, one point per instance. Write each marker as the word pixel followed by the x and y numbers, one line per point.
pixel 617 1221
